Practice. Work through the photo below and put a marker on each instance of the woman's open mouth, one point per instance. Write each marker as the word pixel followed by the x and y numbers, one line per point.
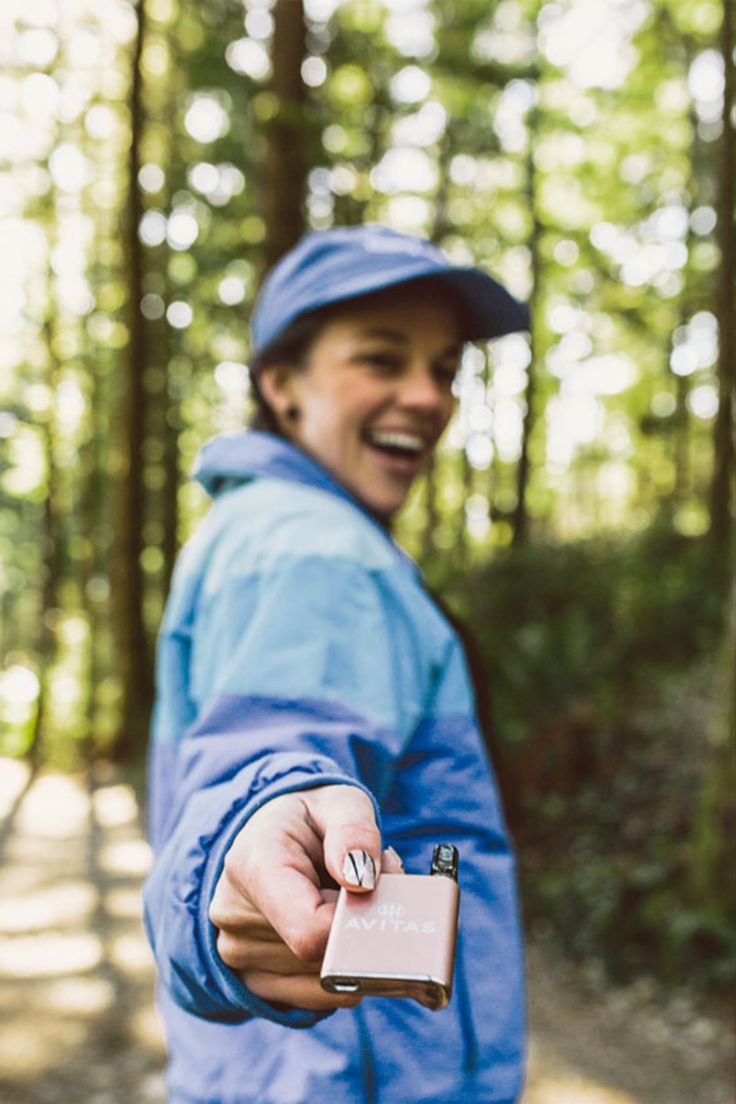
pixel 398 451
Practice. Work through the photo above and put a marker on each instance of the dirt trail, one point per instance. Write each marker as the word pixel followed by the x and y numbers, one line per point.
pixel 77 1024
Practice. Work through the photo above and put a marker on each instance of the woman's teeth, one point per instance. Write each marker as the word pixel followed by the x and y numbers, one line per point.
pixel 407 442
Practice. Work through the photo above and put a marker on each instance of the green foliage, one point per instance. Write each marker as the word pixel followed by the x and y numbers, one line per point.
pixel 615 744
pixel 594 195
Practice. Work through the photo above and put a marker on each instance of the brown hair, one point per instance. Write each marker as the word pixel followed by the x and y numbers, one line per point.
pixel 290 347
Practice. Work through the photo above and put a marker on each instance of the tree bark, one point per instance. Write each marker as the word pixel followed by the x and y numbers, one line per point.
pixel 520 516
pixel 682 440
pixel 286 164
pixel 50 572
pixel 53 532
pixel 133 661
pixel 431 513
pixel 172 483
pixel 167 403
pixel 721 490
pixel 92 569
pixel 440 228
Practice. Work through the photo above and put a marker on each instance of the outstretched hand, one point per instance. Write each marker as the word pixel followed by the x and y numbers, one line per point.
pixel 270 907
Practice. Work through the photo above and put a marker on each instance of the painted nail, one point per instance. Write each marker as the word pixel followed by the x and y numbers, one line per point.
pixel 396 855
pixel 359 869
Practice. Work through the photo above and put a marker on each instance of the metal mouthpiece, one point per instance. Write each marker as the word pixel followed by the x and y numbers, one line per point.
pixel 445 860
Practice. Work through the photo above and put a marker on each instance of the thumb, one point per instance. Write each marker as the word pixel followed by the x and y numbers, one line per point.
pixel 345 819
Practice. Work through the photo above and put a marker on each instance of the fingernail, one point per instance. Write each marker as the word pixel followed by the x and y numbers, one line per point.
pixel 359 869
pixel 396 855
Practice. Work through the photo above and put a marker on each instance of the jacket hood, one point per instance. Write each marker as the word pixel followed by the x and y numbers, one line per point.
pixel 234 458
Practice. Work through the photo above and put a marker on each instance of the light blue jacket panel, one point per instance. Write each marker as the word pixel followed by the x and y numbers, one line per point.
pixel 300 648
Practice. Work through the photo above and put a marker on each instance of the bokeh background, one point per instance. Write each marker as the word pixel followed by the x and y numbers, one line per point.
pixel 155 159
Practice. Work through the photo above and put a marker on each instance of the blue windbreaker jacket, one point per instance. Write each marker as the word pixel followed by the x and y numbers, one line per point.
pixel 299 647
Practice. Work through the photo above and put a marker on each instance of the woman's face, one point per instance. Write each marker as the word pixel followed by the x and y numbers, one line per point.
pixel 374 395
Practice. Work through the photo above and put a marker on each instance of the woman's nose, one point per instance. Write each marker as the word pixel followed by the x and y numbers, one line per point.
pixel 420 390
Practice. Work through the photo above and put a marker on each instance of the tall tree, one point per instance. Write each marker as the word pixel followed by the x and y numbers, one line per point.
pixel 721 490
pixel 440 228
pixel 133 660
pixel 286 164
pixel 50 574
pixel 520 517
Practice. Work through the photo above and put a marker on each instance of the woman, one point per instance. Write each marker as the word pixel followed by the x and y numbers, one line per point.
pixel 314 715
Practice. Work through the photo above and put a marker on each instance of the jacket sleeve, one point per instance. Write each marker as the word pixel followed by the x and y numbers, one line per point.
pixel 304 675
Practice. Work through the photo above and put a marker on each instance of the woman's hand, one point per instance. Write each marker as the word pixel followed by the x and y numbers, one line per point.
pixel 272 914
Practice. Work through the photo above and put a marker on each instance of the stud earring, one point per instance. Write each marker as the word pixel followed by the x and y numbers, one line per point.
pixel 291 412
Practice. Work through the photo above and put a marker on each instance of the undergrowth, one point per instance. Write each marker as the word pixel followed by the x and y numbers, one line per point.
pixel 611 667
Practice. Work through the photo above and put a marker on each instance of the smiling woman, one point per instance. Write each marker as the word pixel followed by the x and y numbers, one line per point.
pixel 373 393
pixel 358 334
pixel 310 690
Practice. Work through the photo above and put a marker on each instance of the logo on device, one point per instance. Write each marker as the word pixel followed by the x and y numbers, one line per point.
pixel 391 910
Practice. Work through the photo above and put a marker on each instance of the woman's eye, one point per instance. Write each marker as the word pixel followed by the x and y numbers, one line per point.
pixel 385 362
pixel 445 374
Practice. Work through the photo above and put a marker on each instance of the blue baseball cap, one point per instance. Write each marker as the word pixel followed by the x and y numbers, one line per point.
pixel 344 262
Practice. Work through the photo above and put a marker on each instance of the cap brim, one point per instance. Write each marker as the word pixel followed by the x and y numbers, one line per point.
pixel 487 309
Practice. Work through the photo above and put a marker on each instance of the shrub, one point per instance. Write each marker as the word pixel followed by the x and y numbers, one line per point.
pixel 612 746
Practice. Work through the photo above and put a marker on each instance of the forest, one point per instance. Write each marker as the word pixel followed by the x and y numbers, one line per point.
pixel 157 157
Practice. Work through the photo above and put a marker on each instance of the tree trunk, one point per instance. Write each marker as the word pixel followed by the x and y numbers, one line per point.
pixel 431 513
pixel 721 490
pixel 52 532
pixel 172 483
pixel 440 228
pixel 711 870
pixel 166 404
pixel 682 440
pixel 91 572
pixel 127 575
pixel 520 517
pixel 49 570
pixel 286 168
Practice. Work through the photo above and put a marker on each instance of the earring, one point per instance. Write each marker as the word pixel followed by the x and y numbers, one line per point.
pixel 291 412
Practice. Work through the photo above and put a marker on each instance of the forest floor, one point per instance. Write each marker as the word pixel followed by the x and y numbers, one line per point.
pixel 77 1023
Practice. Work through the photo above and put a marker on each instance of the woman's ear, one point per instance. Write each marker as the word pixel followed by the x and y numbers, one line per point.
pixel 277 385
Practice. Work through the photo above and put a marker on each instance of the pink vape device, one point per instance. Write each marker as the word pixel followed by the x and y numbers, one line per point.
pixel 398 940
